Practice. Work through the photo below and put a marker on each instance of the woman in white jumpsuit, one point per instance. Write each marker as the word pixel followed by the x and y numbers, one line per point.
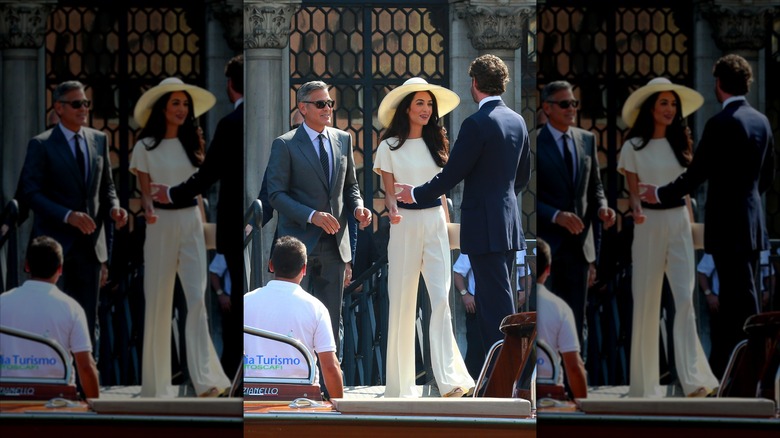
pixel 168 152
pixel 413 150
pixel 657 151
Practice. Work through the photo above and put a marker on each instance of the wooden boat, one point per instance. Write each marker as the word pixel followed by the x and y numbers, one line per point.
pixel 270 408
pixel 31 407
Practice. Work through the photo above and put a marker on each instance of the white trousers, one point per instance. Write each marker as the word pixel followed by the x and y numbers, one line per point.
pixel 175 244
pixel 663 244
pixel 419 244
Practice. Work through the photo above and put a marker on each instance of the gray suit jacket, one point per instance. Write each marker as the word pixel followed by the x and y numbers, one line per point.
pixel 297 186
pixel 557 192
pixel 52 185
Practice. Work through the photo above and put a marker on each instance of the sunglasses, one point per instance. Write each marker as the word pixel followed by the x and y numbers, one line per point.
pixel 320 104
pixel 564 104
pixel 77 104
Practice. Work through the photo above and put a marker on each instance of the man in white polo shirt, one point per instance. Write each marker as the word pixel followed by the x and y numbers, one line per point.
pixel 282 306
pixel 39 307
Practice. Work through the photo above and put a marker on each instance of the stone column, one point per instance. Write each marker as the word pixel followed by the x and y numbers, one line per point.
pixel 499 27
pixel 740 26
pixel 22 29
pixel 267 26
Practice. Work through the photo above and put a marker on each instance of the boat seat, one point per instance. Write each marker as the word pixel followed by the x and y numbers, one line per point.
pixel 23 388
pixel 506 372
pixel 273 389
pixel 755 362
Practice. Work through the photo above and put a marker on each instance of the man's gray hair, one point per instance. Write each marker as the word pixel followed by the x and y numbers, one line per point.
pixel 554 87
pixel 65 88
pixel 308 88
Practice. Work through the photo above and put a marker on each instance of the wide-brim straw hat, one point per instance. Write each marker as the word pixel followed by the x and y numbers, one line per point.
pixel 202 100
pixel 446 100
pixel 690 99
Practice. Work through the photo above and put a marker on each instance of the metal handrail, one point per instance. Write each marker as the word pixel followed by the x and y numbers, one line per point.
pixel 267 334
pixel 254 218
pixel 556 364
pixel 54 345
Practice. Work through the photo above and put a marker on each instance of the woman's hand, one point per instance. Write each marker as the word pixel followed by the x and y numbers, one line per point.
pixel 392 213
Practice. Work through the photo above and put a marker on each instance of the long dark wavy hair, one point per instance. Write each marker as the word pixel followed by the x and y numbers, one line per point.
pixel 188 132
pixel 432 133
pixel 679 138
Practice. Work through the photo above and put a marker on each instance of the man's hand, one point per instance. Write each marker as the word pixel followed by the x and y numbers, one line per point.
pixel 326 221
pixel 713 303
pixel 647 193
pixel 468 303
pixel 607 215
pixel 82 221
pixel 160 193
pixel 403 193
pixel 119 215
pixel 363 215
pixel 570 221
pixel 103 274
pixel 592 276
pixel 224 302
pixel 347 273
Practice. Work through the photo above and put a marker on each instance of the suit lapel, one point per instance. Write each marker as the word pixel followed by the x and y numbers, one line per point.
pixel 306 148
pixel 61 149
pixel 335 152
pixel 92 159
pixel 552 155
pixel 580 159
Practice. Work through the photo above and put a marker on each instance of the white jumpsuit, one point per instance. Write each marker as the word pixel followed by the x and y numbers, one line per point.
pixel 418 244
pixel 662 244
pixel 174 244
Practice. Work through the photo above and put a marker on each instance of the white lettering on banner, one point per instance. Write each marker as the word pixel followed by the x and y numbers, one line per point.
pixel 260 391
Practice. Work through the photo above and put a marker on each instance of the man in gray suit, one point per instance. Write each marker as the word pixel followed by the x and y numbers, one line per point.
pixel 312 186
pixel 66 180
pixel 570 194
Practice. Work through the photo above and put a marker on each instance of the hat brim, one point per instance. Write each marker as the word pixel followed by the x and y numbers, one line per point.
pixel 446 100
pixel 202 100
pixel 690 100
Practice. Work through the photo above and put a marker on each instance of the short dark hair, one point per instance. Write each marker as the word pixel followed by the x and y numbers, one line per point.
pixel 65 88
pixel 44 257
pixel 289 257
pixel 735 74
pixel 543 256
pixel 491 74
pixel 234 70
pixel 552 88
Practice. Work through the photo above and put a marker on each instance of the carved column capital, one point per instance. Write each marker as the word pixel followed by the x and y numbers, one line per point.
pixel 738 24
pixel 229 14
pixel 495 24
pixel 267 23
pixel 23 23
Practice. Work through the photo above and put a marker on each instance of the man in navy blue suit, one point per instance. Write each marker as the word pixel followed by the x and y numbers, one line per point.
pixel 492 157
pixel 736 156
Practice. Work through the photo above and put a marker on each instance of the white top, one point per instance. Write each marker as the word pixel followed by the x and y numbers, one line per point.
pixel 654 164
pixel 462 266
pixel 285 308
pixel 40 307
pixel 410 164
pixel 166 164
pixel 555 326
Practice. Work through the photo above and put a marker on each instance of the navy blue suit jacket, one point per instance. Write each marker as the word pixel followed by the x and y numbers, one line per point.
pixel 224 163
pixel 492 156
pixel 736 156
pixel 51 184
